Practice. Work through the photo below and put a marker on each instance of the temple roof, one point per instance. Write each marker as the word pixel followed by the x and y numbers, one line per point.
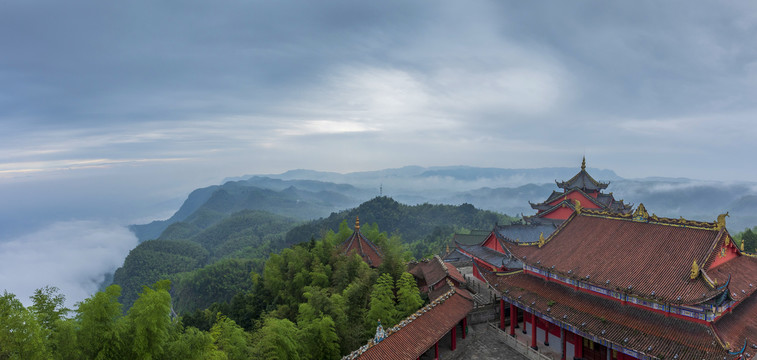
pixel 357 243
pixel 582 181
pixel 492 257
pixel 650 257
pixel 646 332
pixel 434 270
pixel 524 233
pixel 418 332
pixel 475 237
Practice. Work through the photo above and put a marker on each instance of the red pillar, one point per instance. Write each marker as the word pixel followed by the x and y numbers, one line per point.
pixel 533 332
pixel 579 346
pixel 465 326
pixel 502 314
pixel 436 350
pixel 525 319
pixel 547 326
pixel 453 346
pixel 513 319
pixel 562 340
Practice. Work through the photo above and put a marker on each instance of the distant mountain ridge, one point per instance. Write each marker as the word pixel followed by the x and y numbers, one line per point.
pixel 309 194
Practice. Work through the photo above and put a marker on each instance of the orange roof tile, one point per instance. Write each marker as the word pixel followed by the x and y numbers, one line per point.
pixel 625 325
pixel 647 256
pixel 421 330
pixel 357 243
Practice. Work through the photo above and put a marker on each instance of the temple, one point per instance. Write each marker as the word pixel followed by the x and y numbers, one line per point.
pixel 581 188
pixel 358 244
pixel 590 279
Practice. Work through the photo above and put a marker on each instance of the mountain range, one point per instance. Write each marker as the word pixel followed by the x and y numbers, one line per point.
pixel 308 194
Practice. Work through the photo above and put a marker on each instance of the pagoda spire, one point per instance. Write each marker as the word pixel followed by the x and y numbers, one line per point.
pixel 357 223
pixel 583 163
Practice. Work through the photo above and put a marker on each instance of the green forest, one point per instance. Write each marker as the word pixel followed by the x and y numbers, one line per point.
pixel 250 284
pixel 309 302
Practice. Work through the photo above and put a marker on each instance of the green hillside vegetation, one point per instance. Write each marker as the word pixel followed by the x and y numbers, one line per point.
pixel 309 302
pixel 426 228
pixel 208 206
pixel 187 246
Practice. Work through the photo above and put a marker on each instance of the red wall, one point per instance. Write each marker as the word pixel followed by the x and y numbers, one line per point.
pixel 561 213
pixel 492 243
pixel 730 253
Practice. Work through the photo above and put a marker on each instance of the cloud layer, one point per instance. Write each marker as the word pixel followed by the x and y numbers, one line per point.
pixel 73 256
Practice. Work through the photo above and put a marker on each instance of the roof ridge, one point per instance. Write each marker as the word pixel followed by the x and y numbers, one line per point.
pixel 652 219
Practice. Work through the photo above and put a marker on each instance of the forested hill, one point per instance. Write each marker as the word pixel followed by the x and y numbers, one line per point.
pixel 210 242
pixel 302 200
pixel 424 228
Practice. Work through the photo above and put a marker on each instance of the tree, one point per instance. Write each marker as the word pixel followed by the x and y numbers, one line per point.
pixel 278 340
pixel 382 303
pixel 21 336
pixel 749 237
pixel 192 344
pixel 101 332
pixel 47 305
pixel 230 338
pixel 408 295
pixel 318 337
pixel 150 320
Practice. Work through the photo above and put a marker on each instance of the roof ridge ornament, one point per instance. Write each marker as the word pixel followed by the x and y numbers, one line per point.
pixel 721 221
pixel 357 223
pixel 577 206
pixel 641 214
pixel 541 239
pixel 694 270
pixel 583 164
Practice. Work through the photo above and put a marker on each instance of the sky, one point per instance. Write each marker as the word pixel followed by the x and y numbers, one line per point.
pixel 112 112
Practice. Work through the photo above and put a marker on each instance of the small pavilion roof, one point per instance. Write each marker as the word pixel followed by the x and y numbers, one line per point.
pixel 434 270
pixel 582 181
pixel 359 244
pixel 418 332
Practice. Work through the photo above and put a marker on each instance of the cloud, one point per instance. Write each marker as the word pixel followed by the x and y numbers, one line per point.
pixel 73 256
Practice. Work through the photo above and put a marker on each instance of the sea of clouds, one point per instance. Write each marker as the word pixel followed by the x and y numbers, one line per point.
pixel 75 256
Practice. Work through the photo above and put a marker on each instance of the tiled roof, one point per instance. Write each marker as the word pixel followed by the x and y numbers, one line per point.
pixel 475 237
pixel 420 331
pixel 524 233
pixel 454 274
pixel 433 271
pixel 647 256
pixel 583 181
pixel 357 243
pixel 742 273
pixel 644 331
pixel 456 255
pixel 490 256
pixel 740 325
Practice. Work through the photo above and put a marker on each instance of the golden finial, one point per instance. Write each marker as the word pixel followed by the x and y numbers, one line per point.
pixel 447 248
pixel 742 244
pixel 694 270
pixel 541 239
pixel 721 221
pixel 357 223
pixel 577 205
pixel 583 164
